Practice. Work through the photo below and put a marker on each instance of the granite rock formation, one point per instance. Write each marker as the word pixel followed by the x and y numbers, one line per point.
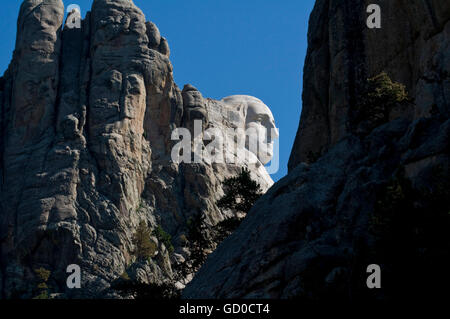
pixel 311 236
pixel 86 117
pixel 411 47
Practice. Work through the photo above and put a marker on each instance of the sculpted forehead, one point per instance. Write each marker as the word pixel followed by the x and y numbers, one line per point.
pixel 256 109
pixel 236 99
pixel 251 105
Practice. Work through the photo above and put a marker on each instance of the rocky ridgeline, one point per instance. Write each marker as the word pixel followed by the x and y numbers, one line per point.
pixel 368 183
pixel 86 116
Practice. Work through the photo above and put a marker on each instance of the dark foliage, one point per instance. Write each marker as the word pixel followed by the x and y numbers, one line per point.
pixel 198 240
pixel 164 237
pixel 226 228
pixel 144 247
pixel 379 96
pixel 42 289
pixel 241 192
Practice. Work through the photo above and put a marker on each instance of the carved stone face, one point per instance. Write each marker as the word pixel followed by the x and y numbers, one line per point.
pixel 259 120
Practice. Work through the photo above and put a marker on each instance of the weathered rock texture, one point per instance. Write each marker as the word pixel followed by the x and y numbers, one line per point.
pixel 412 47
pixel 86 119
pixel 312 235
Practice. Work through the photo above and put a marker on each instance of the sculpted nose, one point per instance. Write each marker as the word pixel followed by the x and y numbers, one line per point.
pixel 273 132
pixel 276 133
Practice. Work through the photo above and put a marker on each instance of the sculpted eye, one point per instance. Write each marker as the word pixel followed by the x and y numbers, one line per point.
pixel 262 118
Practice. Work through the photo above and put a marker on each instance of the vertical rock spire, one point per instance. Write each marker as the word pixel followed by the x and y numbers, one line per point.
pixel 35 69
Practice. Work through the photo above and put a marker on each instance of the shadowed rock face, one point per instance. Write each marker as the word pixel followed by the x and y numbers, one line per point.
pixel 311 236
pixel 412 47
pixel 86 116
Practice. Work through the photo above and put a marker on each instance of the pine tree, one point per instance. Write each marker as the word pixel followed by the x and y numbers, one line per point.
pixel 144 247
pixel 241 192
pixel 42 275
pixel 379 97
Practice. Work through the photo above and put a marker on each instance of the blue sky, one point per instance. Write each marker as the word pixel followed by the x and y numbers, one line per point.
pixel 223 47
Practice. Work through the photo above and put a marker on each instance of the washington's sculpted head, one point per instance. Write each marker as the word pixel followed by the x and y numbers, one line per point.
pixel 258 121
pixel 237 129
